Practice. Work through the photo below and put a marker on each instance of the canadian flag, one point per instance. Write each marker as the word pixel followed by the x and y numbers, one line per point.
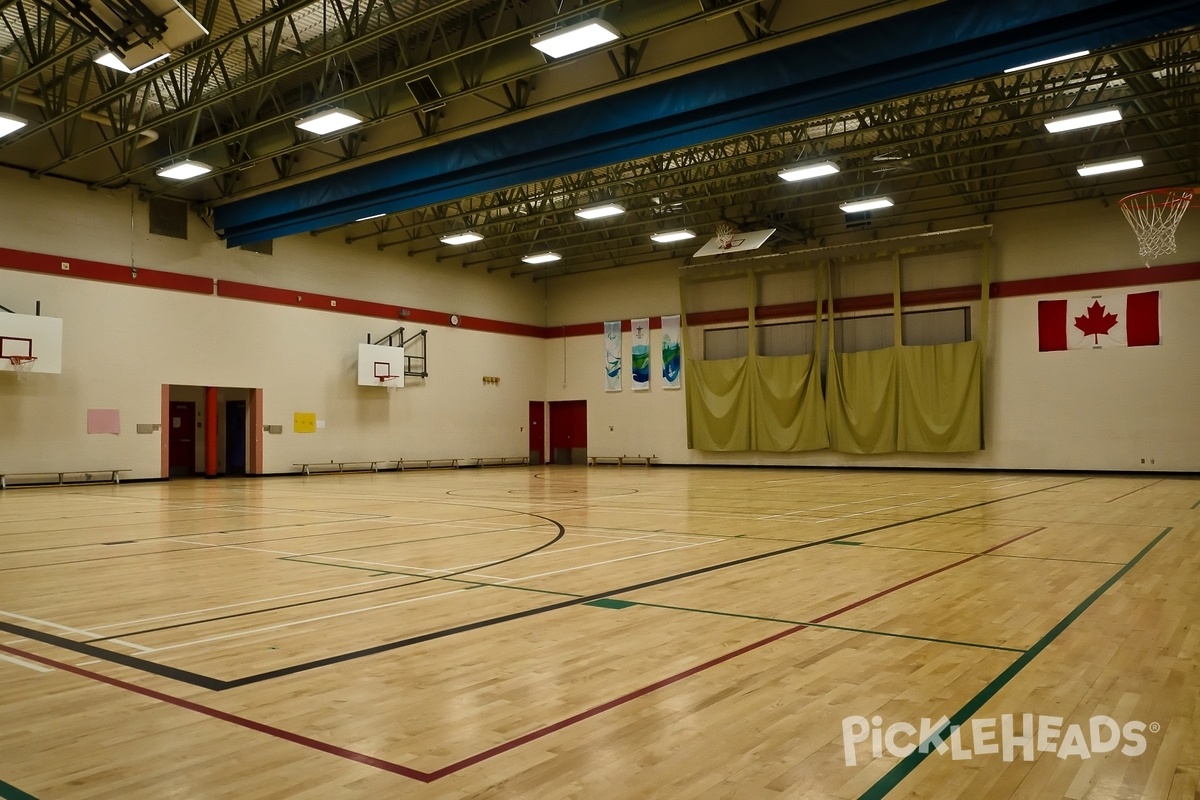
pixel 1110 320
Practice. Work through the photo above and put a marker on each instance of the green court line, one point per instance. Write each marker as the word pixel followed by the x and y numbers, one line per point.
pixel 10 792
pixel 1196 504
pixel 831 627
pixel 910 762
pixel 616 604
pixel 608 602
pixel 849 543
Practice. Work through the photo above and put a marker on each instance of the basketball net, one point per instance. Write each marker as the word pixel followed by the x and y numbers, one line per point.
pixel 389 382
pixel 1154 216
pixel 22 365
pixel 724 235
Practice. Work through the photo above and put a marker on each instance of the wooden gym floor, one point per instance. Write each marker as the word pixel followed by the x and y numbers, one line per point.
pixel 602 632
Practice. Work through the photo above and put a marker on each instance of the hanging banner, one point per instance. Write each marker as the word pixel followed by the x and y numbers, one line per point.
pixel 640 354
pixel 670 352
pixel 612 356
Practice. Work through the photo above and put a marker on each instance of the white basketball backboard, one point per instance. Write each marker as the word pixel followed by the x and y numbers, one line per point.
pixel 380 365
pixel 751 240
pixel 29 335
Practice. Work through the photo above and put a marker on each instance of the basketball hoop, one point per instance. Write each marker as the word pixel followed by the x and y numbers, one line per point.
pixel 724 233
pixel 22 365
pixel 389 382
pixel 1154 216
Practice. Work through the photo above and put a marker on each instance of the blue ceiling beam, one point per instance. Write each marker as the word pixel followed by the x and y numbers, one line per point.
pixel 953 41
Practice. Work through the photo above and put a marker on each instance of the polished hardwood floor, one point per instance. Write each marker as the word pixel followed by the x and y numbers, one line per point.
pixel 605 632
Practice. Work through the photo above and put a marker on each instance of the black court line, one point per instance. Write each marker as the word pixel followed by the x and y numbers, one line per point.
pixel 301 603
pixel 217 684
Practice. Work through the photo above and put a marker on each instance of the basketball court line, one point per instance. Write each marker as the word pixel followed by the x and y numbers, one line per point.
pixel 67 629
pixel 1000 555
pixel 1135 491
pixel 215 684
pixel 504 747
pixel 557 537
pixel 20 662
pixel 10 792
pixel 587 566
pixel 910 762
pixel 306 621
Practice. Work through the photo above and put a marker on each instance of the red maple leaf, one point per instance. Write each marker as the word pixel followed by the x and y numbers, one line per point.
pixel 1096 321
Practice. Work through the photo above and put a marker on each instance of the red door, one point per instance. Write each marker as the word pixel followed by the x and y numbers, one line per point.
pixel 181 438
pixel 568 431
pixel 537 432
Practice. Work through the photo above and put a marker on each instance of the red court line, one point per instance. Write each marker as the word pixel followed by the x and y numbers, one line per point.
pixel 428 777
pixel 224 716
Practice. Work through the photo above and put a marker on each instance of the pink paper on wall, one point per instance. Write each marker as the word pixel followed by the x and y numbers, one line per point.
pixel 104 420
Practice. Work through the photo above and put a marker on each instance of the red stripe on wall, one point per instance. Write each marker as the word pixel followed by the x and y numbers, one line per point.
pixel 1141 319
pixel 1052 325
pixel 299 299
pixel 99 271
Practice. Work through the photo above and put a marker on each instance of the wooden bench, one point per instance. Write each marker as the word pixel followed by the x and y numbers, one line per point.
pixel 324 467
pixel 426 463
pixel 620 461
pixel 501 461
pixel 65 476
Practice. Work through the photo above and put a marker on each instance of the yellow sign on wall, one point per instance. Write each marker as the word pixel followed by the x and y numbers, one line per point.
pixel 304 422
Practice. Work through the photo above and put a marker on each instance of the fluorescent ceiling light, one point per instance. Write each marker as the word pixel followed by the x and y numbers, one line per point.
pixel 1116 165
pixel 10 123
pixel 596 212
pixel 182 170
pixel 664 237
pixel 869 204
pixel 114 61
pixel 1046 61
pixel 541 258
pixel 1087 119
pixel 805 171
pixel 373 216
pixel 466 237
pixel 334 119
pixel 576 38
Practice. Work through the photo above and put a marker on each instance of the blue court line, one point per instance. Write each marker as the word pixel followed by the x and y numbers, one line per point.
pixel 10 792
pixel 960 717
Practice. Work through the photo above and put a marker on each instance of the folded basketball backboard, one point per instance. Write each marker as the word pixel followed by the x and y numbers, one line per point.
pixel 734 243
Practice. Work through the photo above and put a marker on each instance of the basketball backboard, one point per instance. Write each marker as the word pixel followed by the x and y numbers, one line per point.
pixel 24 336
pixel 380 365
pixel 739 242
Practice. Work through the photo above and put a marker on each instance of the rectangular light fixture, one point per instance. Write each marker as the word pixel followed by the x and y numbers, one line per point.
pixel 541 258
pixel 603 210
pixel 333 119
pixel 1115 165
pixel 663 237
pixel 10 123
pixel 803 172
pixel 130 63
pixel 1047 61
pixel 868 204
pixel 182 170
pixel 466 237
pixel 1087 119
pixel 373 216
pixel 576 38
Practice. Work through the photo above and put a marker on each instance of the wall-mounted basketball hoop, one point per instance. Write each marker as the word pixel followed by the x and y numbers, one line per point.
pixel 22 365
pixel 1154 215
